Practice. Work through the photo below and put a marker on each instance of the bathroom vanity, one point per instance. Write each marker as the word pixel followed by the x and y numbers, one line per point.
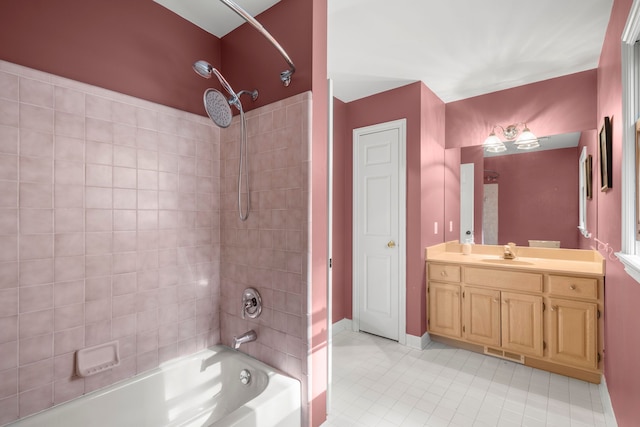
pixel 543 308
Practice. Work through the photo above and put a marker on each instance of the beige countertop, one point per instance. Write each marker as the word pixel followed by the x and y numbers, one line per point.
pixel 569 261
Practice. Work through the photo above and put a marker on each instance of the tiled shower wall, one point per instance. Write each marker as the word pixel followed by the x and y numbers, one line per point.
pixel 269 251
pixel 109 229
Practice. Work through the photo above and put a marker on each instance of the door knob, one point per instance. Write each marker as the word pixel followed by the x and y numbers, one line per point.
pixel 391 244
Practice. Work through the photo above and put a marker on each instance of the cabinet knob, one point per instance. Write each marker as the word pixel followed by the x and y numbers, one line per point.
pixel 391 244
pixel 572 287
pixel 506 301
pixel 496 300
pixel 443 273
pixel 554 307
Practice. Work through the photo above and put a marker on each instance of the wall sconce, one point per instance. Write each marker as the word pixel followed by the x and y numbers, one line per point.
pixel 524 138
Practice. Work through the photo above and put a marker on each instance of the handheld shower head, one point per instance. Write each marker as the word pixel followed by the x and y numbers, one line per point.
pixel 203 68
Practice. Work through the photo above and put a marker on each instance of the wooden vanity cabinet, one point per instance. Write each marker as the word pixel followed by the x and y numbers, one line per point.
pixel 522 323
pixel 538 318
pixel 482 315
pixel 444 309
pixel 573 320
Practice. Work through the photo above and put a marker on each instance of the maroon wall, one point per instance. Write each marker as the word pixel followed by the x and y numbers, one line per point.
pixel 475 155
pixel 589 139
pixel 537 196
pixel 622 293
pixel 142 49
pixel 425 184
pixel 134 47
pixel 250 62
pixel 551 107
pixel 341 251
pixel 452 194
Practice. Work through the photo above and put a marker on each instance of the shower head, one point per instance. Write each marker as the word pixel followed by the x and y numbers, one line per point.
pixel 217 107
pixel 204 69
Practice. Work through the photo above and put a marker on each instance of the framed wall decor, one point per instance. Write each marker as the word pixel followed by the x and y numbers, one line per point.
pixel 605 148
pixel 588 175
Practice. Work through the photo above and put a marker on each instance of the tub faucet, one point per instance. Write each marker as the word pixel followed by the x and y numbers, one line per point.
pixel 246 337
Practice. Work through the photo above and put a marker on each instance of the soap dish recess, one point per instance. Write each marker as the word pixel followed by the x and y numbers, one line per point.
pixel 98 358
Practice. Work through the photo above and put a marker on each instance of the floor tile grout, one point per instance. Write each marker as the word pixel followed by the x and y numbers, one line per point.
pixel 378 382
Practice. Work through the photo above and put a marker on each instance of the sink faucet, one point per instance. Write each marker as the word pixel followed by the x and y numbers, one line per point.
pixel 244 338
pixel 509 251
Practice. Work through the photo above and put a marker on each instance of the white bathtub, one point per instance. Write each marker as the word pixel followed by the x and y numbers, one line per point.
pixel 203 389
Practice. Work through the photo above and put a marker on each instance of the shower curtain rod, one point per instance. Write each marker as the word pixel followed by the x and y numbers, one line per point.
pixel 285 76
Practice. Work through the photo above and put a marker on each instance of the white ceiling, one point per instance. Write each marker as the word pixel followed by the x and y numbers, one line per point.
pixel 458 48
pixel 214 16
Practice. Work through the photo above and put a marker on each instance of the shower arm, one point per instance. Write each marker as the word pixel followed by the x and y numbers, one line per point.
pixel 285 76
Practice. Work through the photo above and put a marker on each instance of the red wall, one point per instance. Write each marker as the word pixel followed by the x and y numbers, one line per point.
pixel 452 162
pixel 551 107
pixel 341 251
pixel 589 139
pixel 475 155
pixel 540 205
pixel 142 49
pixel 622 293
pixel 425 186
pixel 134 47
pixel 250 62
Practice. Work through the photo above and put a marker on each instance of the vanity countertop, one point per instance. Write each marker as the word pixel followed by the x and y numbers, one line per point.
pixel 567 261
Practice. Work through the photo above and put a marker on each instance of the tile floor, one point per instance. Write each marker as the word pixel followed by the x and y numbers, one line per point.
pixel 377 382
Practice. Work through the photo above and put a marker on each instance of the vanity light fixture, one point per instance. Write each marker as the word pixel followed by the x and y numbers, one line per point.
pixel 517 133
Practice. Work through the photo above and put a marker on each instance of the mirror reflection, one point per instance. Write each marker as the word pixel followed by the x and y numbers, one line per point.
pixel 529 197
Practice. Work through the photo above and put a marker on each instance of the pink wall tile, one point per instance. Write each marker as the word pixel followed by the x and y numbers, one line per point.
pixel 85 266
pixel 35 400
pixel 36 144
pixel 36 272
pixel 35 375
pixel 8 274
pixel 33 221
pixel 99 219
pixel 9 167
pixel 34 298
pixel 36 169
pixel 36 93
pixel 36 118
pixel 33 349
pixel 36 195
pixel 9 139
pixel 34 246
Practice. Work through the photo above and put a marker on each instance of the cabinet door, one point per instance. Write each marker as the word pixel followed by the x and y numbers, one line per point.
pixel 444 309
pixel 572 333
pixel 482 316
pixel 522 323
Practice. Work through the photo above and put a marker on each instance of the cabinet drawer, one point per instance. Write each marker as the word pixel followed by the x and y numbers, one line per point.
pixel 511 280
pixel 579 287
pixel 444 273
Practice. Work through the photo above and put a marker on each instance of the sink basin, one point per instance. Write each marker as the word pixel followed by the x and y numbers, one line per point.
pixel 506 261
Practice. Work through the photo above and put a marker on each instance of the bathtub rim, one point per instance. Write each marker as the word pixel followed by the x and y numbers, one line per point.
pixel 277 380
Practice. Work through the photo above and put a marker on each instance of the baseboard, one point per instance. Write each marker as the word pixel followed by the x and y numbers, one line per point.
pixel 607 407
pixel 341 325
pixel 419 343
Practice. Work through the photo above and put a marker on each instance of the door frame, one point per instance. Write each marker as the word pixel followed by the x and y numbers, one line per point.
pixel 401 125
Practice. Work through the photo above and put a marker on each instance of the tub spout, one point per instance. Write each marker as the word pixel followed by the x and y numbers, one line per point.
pixel 244 338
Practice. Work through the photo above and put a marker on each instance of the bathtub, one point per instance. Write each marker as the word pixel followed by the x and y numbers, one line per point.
pixel 203 389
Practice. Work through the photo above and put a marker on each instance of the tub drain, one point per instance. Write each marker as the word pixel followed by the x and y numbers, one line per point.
pixel 245 377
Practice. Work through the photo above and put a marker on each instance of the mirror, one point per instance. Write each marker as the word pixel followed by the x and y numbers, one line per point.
pixel 525 195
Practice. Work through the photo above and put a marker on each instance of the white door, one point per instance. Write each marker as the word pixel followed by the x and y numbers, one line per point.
pixel 379 229
pixel 466 202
